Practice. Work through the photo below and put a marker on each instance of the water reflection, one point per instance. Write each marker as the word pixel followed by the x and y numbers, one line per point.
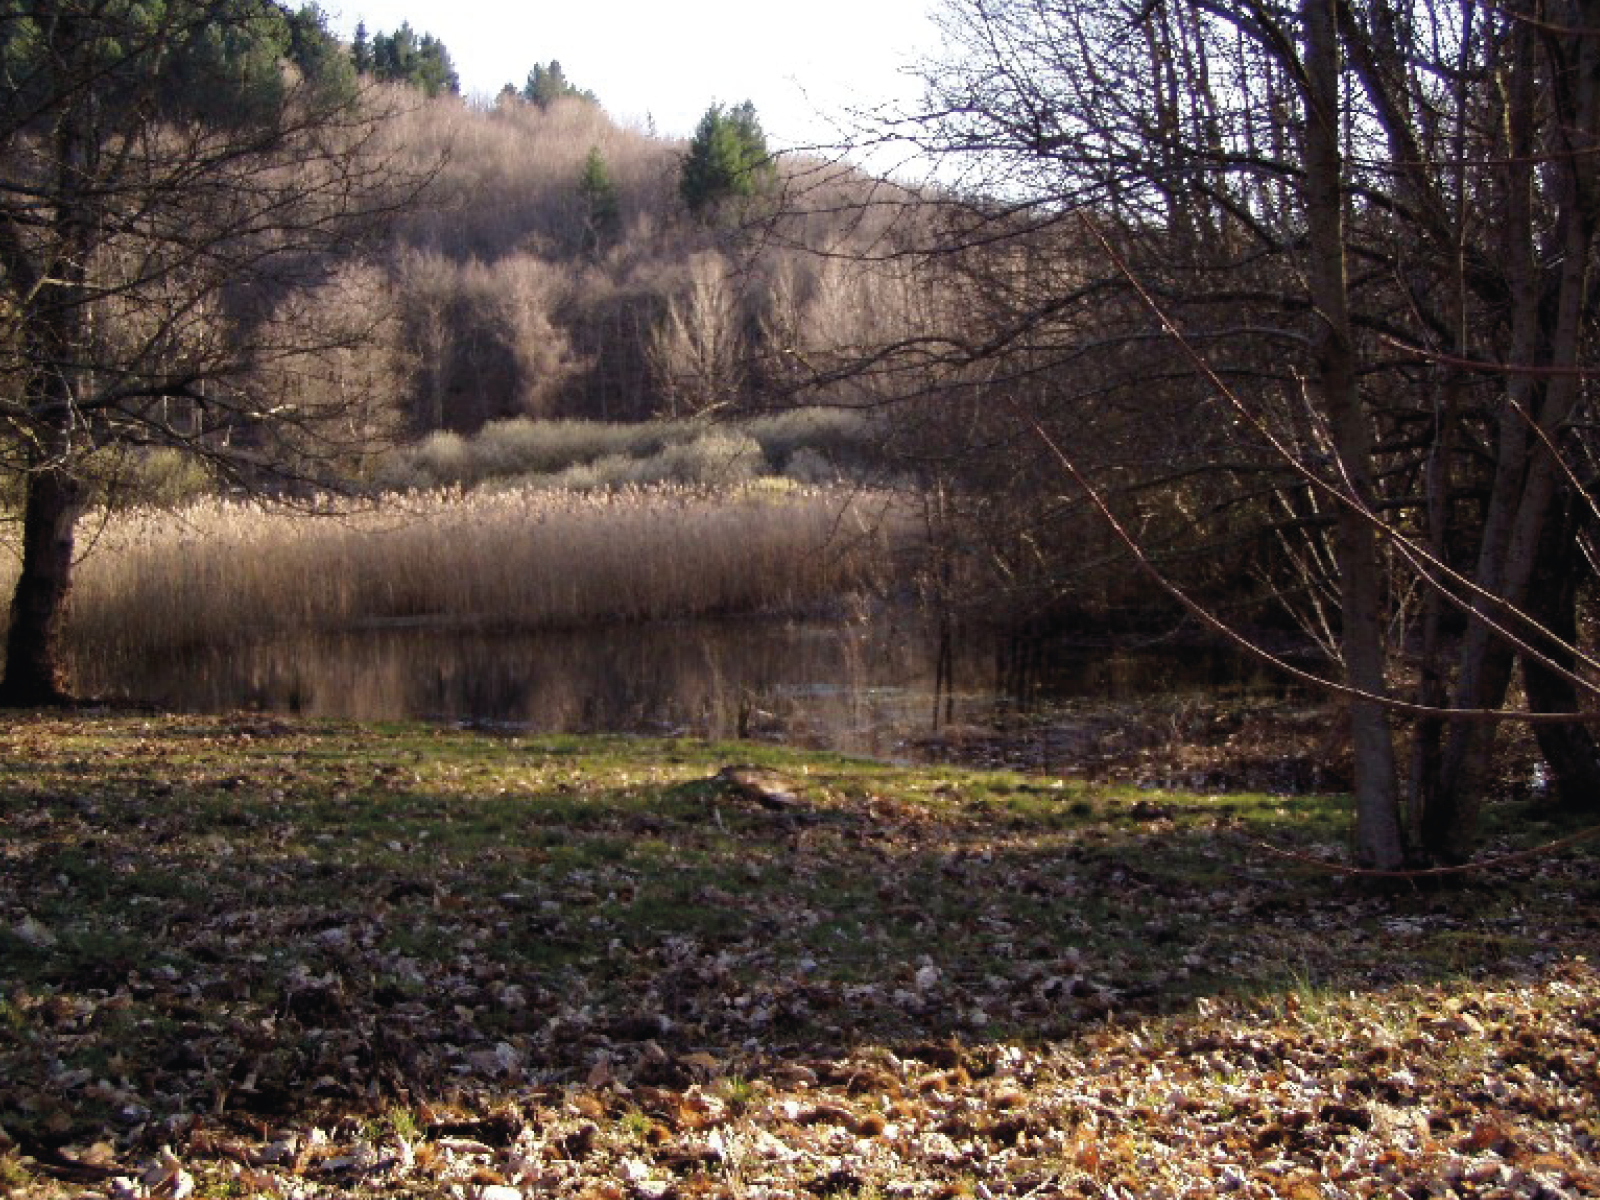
pixel 850 687
pixel 864 688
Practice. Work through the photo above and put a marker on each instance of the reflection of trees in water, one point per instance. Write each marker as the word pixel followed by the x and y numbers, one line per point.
pixel 709 678
pixel 861 686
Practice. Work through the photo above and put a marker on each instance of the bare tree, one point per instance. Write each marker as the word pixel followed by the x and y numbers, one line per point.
pixel 1359 236
pixel 172 177
pixel 697 349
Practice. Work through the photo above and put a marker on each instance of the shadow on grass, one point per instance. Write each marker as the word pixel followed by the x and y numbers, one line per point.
pixel 256 919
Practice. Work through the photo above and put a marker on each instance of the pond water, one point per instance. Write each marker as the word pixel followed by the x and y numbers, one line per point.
pixel 860 687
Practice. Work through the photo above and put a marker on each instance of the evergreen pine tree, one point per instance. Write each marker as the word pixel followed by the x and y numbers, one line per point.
pixel 316 52
pixel 361 50
pixel 547 84
pixel 601 212
pixel 423 62
pixel 228 72
pixel 435 72
pixel 393 53
pixel 727 161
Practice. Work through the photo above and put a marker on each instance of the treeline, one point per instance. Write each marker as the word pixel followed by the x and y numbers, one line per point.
pixel 558 265
pixel 404 56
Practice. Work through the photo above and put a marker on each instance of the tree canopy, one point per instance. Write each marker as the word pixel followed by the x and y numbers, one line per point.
pixel 547 84
pixel 404 56
pixel 727 161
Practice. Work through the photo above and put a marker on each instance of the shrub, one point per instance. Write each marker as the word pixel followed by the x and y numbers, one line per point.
pixel 440 459
pixel 810 466
pixel 528 448
pixel 810 444
pixel 716 458
pixel 156 477
pixel 839 435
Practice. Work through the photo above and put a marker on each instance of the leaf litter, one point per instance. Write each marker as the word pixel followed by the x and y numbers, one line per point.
pixel 242 956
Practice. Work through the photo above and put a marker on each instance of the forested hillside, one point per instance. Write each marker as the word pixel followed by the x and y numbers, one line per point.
pixel 526 257
pixel 562 265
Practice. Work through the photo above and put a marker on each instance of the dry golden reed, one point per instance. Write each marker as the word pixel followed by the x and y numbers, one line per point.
pixel 218 570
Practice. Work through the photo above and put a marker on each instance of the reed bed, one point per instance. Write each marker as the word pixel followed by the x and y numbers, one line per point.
pixel 217 570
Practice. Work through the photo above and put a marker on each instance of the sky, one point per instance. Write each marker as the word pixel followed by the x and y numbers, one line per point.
pixel 661 63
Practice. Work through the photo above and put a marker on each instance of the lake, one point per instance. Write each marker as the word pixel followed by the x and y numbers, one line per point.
pixel 864 687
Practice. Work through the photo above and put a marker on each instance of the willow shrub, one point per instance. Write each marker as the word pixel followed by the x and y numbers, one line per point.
pixel 806 443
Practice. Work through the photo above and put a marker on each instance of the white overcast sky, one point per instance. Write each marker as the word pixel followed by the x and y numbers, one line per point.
pixel 670 59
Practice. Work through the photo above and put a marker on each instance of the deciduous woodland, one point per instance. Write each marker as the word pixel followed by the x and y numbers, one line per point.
pixel 1272 323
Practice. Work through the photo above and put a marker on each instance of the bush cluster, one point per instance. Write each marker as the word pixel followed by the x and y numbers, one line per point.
pixel 806 445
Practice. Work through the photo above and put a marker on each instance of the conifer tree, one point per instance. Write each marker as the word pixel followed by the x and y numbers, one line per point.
pixel 728 161
pixel 361 49
pixel 547 84
pixel 423 62
pixel 601 213
pixel 394 54
pixel 435 72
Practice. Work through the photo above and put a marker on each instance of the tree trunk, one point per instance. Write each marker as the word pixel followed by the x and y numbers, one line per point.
pixel 33 668
pixel 1427 738
pixel 1550 312
pixel 1379 840
pixel 57 345
pixel 1570 751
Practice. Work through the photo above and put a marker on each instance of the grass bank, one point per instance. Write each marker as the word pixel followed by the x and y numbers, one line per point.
pixel 209 572
pixel 326 960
